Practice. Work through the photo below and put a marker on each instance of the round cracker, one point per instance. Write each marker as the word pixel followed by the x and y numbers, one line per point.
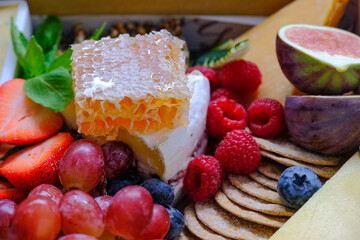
pixel 247 214
pixel 271 168
pixel 227 224
pixel 197 228
pixel 322 171
pixel 256 204
pixel 288 149
pixel 187 235
pixel 244 183
pixel 262 179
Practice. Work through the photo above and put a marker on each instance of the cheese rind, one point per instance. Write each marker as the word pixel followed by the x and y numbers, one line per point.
pixel 262 38
pixel 332 213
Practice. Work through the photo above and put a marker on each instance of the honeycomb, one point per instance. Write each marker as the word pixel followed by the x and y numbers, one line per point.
pixel 137 83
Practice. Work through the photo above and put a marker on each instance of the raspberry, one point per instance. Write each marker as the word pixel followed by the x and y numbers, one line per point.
pixel 209 73
pixel 241 76
pixel 225 115
pixel 204 176
pixel 266 118
pixel 230 94
pixel 238 152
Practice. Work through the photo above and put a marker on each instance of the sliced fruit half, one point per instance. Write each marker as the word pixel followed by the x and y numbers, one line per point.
pixel 23 121
pixel 37 164
pixel 319 59
pixel 8 191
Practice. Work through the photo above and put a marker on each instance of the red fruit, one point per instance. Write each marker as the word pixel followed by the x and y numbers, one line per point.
pixel 80 213
pixel 225 115
pixel 47 190
pixel 204 176
pixel 130 212
pixel 209 73
pixel 238 152
pixel 23 121
pixel 82 166
pixel 37 164
pixel 224 92
pixel 104 203
pixel 266 118
pixel 8 191
pixel 241 76
pixel 159 225
pixel 7 210
pixel 77 236
pixel 35 218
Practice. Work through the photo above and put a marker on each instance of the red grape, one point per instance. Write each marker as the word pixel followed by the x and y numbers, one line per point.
pixel 35 218
pixel 104 202
pixel 82 166
pixel 77 236
pixel 80 213
pixel 159 225
pixel 47 190
pixel 118 158
pixel 7 210
pixel 129 212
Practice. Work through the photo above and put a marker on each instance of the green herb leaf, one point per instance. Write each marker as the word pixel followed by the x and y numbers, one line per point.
pixel 48 34
pixel 19 41
pixel 52 89
pixel 50 56
pixel 98 32
pixel 34 59
pixel 61 61
pixel 219 57
pixel 12 151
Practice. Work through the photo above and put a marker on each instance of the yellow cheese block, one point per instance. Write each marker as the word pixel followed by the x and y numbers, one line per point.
pixel 333 212
pixel 262 38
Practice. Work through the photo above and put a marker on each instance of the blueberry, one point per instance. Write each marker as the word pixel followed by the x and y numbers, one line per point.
pixel 116 184
pixel 177 223
pixel 161 192
pixel 296 185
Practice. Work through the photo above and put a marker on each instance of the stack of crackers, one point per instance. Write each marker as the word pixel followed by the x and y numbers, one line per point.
pixel 248 206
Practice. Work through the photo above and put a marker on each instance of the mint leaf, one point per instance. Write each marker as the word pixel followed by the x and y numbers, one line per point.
pixel 19 41
pixel 52 89
pixel 98 32
pixel 48 34
pixel 61 61
pixel 50 56
pixel 34 59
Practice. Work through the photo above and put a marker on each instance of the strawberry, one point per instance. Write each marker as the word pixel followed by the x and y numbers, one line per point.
pixel 36 164
pixel 8 191
pixel 23 121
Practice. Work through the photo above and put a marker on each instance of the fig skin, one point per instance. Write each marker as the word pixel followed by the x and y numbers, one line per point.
pixel 305 71
pixel 324 124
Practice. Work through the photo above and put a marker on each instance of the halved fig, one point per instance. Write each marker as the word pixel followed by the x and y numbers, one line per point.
pixel 319 59
pixel 324 124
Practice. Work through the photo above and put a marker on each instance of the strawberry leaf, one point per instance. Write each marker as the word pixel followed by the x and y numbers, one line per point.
pixel 48 34
pixel 34 60
pixel 61 61
pixel 52 89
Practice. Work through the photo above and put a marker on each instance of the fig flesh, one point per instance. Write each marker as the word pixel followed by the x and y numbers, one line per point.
pixel 324 124
pixel 319 59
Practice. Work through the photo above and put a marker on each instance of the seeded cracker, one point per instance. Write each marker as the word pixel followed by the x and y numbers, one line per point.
pixel 256 204
pixel 187 235
pixel 264 180
pixel 288 149
pixel 322 171
pixel 197 228
pixel 270 168
pixel 223 222
pixel 247 214
pixel 255 189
